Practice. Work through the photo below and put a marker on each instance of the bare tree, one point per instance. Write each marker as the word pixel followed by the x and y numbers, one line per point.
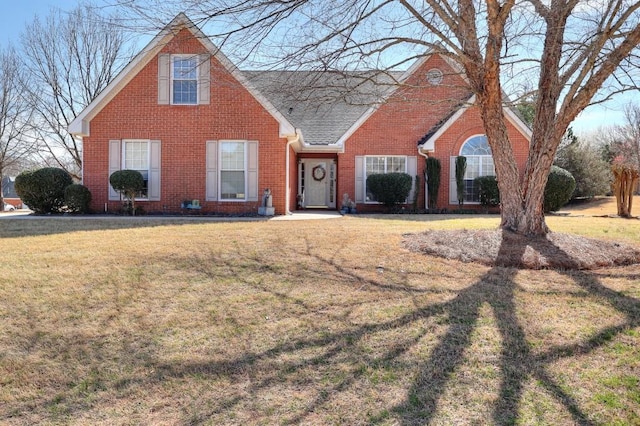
pixel 71 58
pixel 16 140
pixel 629 136
pixel 580 52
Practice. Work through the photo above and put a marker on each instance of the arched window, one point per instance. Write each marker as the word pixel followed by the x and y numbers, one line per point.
pixel 479 163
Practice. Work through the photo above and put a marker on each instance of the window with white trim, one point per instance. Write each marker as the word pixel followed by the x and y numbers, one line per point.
pixel 184 80
pixel 382 165
pixel 479 163
pixel 233 171
pixel 135 156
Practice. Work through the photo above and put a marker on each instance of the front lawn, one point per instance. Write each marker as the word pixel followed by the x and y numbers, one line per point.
pixel 147 321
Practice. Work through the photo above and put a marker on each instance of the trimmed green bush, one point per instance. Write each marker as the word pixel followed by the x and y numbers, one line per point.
pixel 416 194
pixel 488 190
pixel 77 198
pixel 128 183
pixel 560 186
pixel 432 175
pixel 389 188
pixel 43 189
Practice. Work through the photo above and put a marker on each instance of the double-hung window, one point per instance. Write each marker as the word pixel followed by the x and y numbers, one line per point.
pixel 184 80
pixel 135 156
pixel 232 171
pixel 479 163
pixel 383 165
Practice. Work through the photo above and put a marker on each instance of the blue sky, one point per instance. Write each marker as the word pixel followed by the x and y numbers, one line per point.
pixel 17 13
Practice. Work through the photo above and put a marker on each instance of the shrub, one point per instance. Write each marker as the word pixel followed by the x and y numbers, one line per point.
pixel 585 163
pixel 488 190
pixel 461 169
pixel 128 183
pixel 560 186
pixel 43 189
pixel 416 194
pixel 432 175
pixel 77 198
pixel 389 188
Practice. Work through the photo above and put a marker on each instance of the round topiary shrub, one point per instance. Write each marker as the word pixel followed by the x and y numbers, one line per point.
pixel 389 188
pixel 43 189
pixel 488 190
pixel 560 186
pixel 128 183
pixel 77 198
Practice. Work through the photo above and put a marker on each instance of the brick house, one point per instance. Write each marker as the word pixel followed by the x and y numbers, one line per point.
pixel 198 128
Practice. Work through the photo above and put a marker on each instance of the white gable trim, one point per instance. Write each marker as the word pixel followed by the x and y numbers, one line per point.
pixel 455 66
pixel 512 117
pixel 369 112
pixel 429 144
pixel 80 126
pixel 518 123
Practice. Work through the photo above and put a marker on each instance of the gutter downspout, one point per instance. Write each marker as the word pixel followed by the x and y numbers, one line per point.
pixel 426 193
pixel 287 198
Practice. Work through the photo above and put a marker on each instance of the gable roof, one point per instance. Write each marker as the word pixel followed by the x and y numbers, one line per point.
pixel 80 126
pixel 330 106
pixel 324 105
pixel 427 142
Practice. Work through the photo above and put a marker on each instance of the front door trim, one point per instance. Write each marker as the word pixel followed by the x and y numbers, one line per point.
pixel 319 191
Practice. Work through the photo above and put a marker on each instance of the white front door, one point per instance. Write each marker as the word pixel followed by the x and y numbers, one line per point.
pixel 318 183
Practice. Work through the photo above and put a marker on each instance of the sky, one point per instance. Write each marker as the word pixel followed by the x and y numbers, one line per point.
pixel 17 13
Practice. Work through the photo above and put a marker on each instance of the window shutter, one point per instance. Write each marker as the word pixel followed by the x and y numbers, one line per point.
pixel 212 170
pixel 412 170
pixel 154 170
pixel 252 171
pixel 164 79
pixel 204 79
pixel 115 149
pixel 359 195
pixel 453 193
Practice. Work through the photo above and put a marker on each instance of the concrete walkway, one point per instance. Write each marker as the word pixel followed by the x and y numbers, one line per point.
pixel 310 215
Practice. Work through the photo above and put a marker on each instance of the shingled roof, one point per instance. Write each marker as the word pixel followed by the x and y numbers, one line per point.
pixel 323 105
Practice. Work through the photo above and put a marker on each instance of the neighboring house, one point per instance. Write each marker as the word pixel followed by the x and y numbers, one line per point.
pixel 9 194
pixel 197 128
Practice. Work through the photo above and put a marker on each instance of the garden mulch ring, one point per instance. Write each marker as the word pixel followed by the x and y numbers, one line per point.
pixel 504 248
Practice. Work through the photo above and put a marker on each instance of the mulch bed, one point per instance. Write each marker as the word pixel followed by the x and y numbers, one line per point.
pixel 505 248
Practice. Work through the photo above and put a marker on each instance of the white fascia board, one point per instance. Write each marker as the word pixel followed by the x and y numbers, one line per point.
pixel 355 126
pixel 80 125
pixel 518 123
pixel 286 128
pixel 513 118
pixel 331 148
pixel 369 112
pixel 429 144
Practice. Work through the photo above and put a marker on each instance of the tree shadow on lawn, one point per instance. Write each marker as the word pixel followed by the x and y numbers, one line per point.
pixel 496 288
pixel 517 363
pixel 298 361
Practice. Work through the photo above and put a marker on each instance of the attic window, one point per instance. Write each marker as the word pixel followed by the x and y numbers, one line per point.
pixel 184 77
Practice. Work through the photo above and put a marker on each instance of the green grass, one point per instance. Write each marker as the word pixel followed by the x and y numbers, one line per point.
pixel 312 322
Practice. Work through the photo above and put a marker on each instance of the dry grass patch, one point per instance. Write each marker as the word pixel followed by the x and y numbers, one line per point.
pixel 317 322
